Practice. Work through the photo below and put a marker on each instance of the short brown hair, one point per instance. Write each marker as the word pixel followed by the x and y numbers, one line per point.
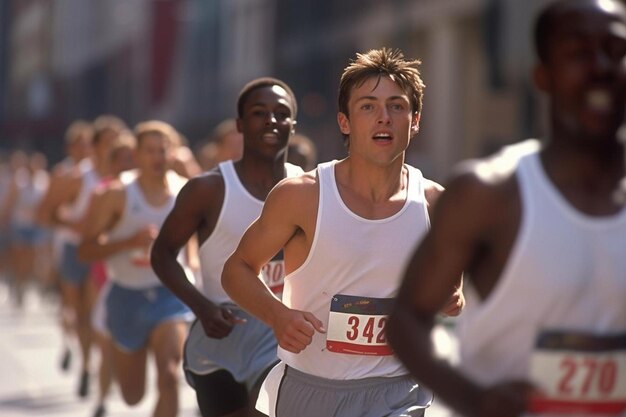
pixel 378 63
pixel 107 123
pixel 156 127
pixel 77 129
pixel 125 140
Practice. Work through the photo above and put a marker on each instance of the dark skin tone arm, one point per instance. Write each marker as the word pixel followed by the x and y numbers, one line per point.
pixel 456 300
pixel 478 242
pixel 196 211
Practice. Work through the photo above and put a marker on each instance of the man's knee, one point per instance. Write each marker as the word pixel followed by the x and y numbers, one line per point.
pixel 132 394
pixel 168 375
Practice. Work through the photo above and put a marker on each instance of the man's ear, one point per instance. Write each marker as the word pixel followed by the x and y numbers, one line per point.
pixel 540 76
pixel 293 126
pixel 344 123
pixel 415 123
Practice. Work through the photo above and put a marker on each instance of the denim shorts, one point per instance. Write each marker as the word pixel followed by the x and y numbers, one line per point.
pixel 132 314
pixel 73 271
pixel 28 235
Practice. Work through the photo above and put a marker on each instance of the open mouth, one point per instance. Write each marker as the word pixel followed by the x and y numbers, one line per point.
pixel 383 137
pixel 270 138
pixel 599 100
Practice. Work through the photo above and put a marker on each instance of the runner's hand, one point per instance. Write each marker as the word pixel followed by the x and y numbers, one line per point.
pixel 455 303
pixel 144 237
pixel 294 330
pixel 506 400
pixel 218 322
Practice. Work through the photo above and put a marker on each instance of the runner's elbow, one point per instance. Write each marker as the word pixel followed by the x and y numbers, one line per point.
pixel 226 275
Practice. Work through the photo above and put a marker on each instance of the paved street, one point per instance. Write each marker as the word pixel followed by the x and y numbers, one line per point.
pixel 32 383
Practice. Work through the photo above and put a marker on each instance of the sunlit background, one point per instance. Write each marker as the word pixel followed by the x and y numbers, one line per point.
pixel 184 61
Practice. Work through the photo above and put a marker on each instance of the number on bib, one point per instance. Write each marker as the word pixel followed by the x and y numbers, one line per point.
pixel 579 373
pixel 356 325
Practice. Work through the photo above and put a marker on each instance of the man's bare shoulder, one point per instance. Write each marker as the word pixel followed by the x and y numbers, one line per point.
pixel 204 190
pixel 301 184
pixel 65 186
pixel 500 167
pixel 484 185
pixel 71 177
pixel 432 191
pixel 298 192
pixel 477 180
pixel 207 182
pixel 65 168
pixel 112 195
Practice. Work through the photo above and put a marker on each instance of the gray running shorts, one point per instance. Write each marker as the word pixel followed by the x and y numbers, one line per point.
pixel 305 395
pixel 247 352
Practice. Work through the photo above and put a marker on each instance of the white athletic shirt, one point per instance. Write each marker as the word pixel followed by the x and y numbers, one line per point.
pixel 31 187
pixel 239 210
pixel 566 273
pixel 131 269
pixel 353 256
pixel 76 210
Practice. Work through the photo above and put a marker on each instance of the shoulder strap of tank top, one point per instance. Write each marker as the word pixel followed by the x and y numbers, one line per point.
pixel 133 193
pixel 227 168
pixel 416 184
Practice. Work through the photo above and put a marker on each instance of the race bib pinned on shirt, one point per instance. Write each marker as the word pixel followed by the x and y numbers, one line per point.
pixel 356 325
pixel 141 258
pixel 579 373
pixel 273 274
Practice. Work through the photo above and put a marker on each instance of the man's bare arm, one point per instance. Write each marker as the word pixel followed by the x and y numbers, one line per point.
pixel 279 221
pixel 456 300
pixel 63 189
pixel 194 203
pixel 432 274
pixel 7 204
pixel 105 211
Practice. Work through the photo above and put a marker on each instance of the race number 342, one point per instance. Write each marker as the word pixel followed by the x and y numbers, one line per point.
pixel 356 325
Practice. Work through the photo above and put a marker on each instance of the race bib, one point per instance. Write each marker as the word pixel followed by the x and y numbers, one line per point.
pixel 273 274
pixel 356 325
pixel 579 373
pixel 141 258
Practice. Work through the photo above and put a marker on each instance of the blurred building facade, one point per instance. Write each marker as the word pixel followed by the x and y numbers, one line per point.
pixel 184 61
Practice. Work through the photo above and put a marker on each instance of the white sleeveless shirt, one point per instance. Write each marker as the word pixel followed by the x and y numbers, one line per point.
pixel 131 269
pixel 352 259
pixel 31 187
pixel 239 210
pixel 76 210
pixel 566 273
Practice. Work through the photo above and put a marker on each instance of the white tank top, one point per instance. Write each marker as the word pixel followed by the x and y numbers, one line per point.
pixel 239 210
pixel 131 269
pixel 31 187
pixel 76 210
pixel 566 273
pixel 353 257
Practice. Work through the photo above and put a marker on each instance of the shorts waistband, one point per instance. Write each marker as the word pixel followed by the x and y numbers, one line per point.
pixel 343 384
